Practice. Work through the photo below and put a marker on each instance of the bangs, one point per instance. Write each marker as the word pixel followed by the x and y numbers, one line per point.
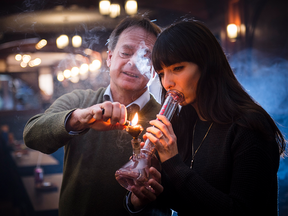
pixel 167 51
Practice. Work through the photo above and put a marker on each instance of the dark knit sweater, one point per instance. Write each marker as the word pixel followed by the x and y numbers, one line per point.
pixel 234 173
pixel 91 159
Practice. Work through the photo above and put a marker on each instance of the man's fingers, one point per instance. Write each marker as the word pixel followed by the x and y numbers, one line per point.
pixel 123 115
pixel 116 113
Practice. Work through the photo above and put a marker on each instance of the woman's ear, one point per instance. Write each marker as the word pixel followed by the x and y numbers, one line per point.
pixel 108 61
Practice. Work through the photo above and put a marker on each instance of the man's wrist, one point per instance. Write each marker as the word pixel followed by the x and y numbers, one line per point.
pixel 69 128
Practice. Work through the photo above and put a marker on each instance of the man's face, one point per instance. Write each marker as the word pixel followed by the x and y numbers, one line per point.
pixel 130 62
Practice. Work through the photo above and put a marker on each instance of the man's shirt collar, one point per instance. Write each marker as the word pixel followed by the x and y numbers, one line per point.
pixel 141 101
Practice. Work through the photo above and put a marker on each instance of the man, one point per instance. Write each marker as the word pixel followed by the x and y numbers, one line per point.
pixel 85 123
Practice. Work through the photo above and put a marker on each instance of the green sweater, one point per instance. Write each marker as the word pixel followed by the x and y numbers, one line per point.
pixel 90 159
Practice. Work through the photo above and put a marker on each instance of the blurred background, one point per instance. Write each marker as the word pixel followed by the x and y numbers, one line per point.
pixel 48 48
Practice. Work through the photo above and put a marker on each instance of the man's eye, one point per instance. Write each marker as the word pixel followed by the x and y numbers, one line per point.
pixel 125 55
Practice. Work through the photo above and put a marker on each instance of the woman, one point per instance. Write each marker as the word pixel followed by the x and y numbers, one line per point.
pixel 220 155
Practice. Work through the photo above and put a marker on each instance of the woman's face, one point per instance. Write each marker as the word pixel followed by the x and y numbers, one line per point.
pixel 183 77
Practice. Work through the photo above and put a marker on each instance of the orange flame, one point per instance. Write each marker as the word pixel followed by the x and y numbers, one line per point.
pixel 135 120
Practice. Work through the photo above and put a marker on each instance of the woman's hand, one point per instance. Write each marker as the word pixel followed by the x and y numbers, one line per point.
pixel 143 196
pixel 101 117
pixel 163 137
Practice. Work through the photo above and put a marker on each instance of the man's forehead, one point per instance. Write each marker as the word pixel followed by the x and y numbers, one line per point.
pixel 135 47
pixel 136 37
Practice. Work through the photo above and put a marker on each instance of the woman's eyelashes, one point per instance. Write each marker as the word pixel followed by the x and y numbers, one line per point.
pixel 178 68
pixel 173 69
pixel 160 74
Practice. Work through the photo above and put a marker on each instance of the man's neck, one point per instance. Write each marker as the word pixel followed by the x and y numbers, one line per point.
pixel 126 97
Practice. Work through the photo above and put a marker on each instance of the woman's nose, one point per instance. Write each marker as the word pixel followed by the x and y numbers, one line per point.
pixel 167 81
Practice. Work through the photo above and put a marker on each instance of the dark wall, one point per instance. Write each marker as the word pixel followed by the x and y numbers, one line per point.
pixel 271 28
pixel 16 121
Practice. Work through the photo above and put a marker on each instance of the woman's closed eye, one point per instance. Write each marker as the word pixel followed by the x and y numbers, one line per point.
pixel 160 74
pixel 178 68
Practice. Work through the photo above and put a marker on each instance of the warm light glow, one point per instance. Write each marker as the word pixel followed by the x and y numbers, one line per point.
pixel 134 120
pixel 35 62
pixel 84 68
pixel 41 44
pixel 232 31
pixel 46 83
pixel 74 71
pixel 23 64
pixel 88 51
pixel 18 57
pixel 62 41
pixel 104 7
pixel 26 58
pixel 114 10
pixel 76 41
pixel 131 7
pixel 74 79
pixel 95 65
pixel 243 29
pixel 67 73
pixel 60 76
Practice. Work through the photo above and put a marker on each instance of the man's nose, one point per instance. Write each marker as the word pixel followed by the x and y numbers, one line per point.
pixel 131 60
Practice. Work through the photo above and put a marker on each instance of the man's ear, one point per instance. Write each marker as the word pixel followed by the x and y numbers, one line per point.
pixel 109 56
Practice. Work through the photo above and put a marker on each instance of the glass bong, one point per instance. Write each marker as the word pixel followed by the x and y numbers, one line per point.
pixel 136 171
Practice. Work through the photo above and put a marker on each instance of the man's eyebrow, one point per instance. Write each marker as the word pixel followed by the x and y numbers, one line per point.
pixel 127 46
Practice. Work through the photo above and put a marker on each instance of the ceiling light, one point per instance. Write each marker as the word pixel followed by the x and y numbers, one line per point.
pixel 104 7
pixel 84 68
pixel 114 10
pixel 60 76
pixel 67 73
pixel 76 41
pixel 131 7
pixel 74 71
pixel 41 44
pixel 23 64
pixel 74 79
pixel 62 41
pixel 35 62
pixel 26 58
pixel 232 31
pixel 18 57
pixel 95 65
pixel 46 83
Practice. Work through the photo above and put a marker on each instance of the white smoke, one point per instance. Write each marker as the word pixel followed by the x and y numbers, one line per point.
pixel 265 78
pixel 142 62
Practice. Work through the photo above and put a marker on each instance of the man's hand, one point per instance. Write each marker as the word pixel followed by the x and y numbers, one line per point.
pixel 143 196
pixel 101 117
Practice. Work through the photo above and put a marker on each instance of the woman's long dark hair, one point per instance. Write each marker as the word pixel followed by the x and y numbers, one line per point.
pixel 220 96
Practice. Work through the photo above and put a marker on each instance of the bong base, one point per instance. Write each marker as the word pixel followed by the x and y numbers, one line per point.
pixel 136 172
